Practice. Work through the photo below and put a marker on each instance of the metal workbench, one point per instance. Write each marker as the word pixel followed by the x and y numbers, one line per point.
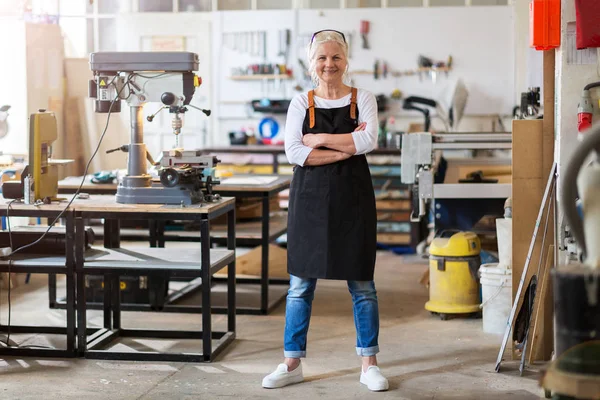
pixel 112 261
pixel 42 264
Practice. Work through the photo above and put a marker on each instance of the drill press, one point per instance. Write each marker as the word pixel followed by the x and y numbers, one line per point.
pixel 140 78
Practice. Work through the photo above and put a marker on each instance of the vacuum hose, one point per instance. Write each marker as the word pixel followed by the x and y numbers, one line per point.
pixel 568 196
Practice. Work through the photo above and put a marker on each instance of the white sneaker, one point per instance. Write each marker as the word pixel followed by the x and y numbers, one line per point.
pixel 282 377
pixel 374 380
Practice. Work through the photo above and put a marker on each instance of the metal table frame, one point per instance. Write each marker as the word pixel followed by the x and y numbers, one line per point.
pixel 158 238
pixel 266 238
pixel 31 264
pixel 94 346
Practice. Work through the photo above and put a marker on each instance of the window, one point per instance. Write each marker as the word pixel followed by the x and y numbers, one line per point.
pixel 489 2
pixel 234 4
pixel 75 42
pixel 110 6
pixel 75 7
pixel 155 5
pixel 363 3
pixel 446 3
pixel 405 3
pixel 194 5
pixel 107 34
pixel 322 4
pixel 274 4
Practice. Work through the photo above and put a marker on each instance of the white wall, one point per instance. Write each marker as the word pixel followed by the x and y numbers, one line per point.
pixel 480 39
pixel 135 32
pixel 570 81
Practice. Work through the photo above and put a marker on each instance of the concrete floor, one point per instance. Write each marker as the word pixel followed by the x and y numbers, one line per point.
pixel 423 357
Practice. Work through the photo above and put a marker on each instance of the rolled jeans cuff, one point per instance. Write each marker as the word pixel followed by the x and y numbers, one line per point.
pixel 367 351
pixel 294 354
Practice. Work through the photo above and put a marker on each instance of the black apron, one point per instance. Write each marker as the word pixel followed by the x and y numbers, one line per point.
pixel 332 221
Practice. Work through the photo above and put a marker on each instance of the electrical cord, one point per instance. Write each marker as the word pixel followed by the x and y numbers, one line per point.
pixel 51 225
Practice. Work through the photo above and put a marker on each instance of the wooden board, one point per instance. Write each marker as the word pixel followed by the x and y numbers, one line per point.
pixel 545 353
pixel 99 203
pixel 527 190
pixel 394 238
pixel 250 264
pixel 537 321
pixel 282 182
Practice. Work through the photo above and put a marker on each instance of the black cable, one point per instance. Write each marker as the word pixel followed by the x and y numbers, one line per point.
pixel 64 209
pixel 84 174
pixel 591 85
pixel 9 281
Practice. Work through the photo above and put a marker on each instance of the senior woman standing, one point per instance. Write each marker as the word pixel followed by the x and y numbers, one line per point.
pixel 332 217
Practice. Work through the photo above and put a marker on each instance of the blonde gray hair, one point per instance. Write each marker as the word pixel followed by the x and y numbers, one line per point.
pixel 313 46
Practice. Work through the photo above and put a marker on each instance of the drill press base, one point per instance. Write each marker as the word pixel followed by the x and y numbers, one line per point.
pixel 158 194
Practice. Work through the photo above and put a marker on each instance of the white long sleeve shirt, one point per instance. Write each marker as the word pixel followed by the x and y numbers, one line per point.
pixel 364 141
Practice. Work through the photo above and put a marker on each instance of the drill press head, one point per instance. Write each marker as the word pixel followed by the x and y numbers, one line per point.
pixel 145 77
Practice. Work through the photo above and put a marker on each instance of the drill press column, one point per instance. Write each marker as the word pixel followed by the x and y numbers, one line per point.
pixel 136 164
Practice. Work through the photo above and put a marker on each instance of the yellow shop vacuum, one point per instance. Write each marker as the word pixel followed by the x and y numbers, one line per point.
pixel 453 281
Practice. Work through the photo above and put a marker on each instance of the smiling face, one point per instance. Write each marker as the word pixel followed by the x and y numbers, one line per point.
pixel 330 62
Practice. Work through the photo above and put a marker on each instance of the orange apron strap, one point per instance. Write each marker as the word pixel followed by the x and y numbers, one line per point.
pixel 353 104
pixel 311 108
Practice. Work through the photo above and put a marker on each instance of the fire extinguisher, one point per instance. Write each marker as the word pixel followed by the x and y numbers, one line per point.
pixel 585 108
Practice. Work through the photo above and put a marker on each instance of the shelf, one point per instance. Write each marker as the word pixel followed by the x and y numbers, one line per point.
pixel 409 72
pixel 260 77
pixel 98 260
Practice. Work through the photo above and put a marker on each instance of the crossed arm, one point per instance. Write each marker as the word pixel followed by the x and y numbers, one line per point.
pixel 325 148
pixel 338 146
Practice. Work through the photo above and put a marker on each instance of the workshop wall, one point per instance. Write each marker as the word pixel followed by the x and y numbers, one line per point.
pixel 574 69
pixel 481 41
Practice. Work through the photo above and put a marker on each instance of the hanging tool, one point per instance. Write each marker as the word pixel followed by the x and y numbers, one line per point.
pixel 364 31
pixel 376 70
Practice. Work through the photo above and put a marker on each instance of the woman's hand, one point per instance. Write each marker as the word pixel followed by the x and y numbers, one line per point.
pixel 312 140
pixel 361 127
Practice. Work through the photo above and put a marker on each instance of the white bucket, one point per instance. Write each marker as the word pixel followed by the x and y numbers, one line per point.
pixel 496 297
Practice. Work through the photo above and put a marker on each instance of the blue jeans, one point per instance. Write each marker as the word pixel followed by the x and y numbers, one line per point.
pixel 298 309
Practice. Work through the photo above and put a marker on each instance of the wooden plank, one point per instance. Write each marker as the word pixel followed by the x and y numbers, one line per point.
pixel 545 353
pixel 393 205
pixel 528 185
pixel 281 182
pixel 250 264
pixel 537 333
pixel 394 238
pixel 107 203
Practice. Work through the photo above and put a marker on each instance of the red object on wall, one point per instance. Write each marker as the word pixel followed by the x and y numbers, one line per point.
pixel 588 23
pixel 544 24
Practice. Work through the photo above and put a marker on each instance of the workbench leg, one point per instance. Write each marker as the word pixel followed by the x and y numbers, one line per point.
pixel 52 290
pixel 112 233
pixel 81 304
pixel 70 256
pixel 107 292
pixel 152 232
pixel 264 273
pixel 160 227
pixel 231 272
pixel 115 281
pixel 206 289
